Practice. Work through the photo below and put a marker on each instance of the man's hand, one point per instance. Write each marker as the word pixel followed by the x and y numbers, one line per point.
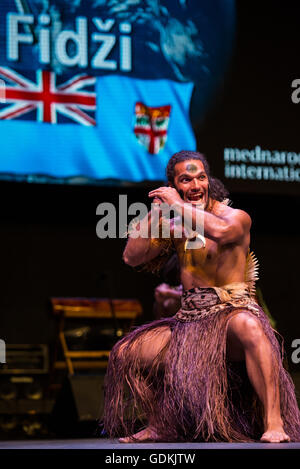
pixel 162 292
pixel 168 195
pixel 165 291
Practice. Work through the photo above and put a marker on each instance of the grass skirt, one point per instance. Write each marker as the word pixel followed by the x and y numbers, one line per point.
pixel 189 391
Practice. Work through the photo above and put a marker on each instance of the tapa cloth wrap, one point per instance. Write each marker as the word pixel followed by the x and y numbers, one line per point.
pixel 189 390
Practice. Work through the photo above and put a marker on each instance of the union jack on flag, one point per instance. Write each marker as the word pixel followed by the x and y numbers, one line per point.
pixel 48 97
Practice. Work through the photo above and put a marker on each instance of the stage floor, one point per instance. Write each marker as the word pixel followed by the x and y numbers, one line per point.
pixel 105 444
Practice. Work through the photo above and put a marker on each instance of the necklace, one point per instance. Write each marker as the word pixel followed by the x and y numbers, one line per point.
pixel 196 240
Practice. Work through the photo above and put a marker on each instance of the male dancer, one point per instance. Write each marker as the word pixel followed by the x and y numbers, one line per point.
pixel 213 371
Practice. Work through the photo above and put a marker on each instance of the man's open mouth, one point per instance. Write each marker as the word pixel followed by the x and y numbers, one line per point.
pixel 196 197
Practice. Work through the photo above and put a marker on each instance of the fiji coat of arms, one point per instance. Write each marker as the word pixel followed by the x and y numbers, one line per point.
pixel 151 126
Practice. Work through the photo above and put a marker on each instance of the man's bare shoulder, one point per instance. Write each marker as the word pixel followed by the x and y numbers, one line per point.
pixel 233 214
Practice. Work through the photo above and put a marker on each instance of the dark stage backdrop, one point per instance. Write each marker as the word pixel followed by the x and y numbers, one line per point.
pixel 48 236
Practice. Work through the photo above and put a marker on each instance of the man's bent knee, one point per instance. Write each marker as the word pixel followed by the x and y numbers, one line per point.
pixel 152 345
pixel 146 347
pixel 246 328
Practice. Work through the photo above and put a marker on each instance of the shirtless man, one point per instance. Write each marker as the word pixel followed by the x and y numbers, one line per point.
pixel 221 261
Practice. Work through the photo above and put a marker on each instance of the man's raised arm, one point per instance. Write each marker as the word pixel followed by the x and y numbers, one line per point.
pixel 141 247
pixel 226 225
pixel 229 226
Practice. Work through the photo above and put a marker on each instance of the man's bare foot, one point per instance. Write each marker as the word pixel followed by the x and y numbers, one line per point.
pixel 148 434
pixel 275 435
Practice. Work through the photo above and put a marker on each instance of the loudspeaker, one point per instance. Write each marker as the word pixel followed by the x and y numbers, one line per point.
pixel 79 406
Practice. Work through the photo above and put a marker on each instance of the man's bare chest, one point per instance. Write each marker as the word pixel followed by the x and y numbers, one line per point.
pixel 207 256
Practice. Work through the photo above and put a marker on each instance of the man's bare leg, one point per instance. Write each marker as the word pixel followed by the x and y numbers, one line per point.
pixel 247 340
pixel 149 348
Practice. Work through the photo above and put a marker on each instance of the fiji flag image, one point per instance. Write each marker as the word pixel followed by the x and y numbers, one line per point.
pixel 101 89
pixel 105 127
